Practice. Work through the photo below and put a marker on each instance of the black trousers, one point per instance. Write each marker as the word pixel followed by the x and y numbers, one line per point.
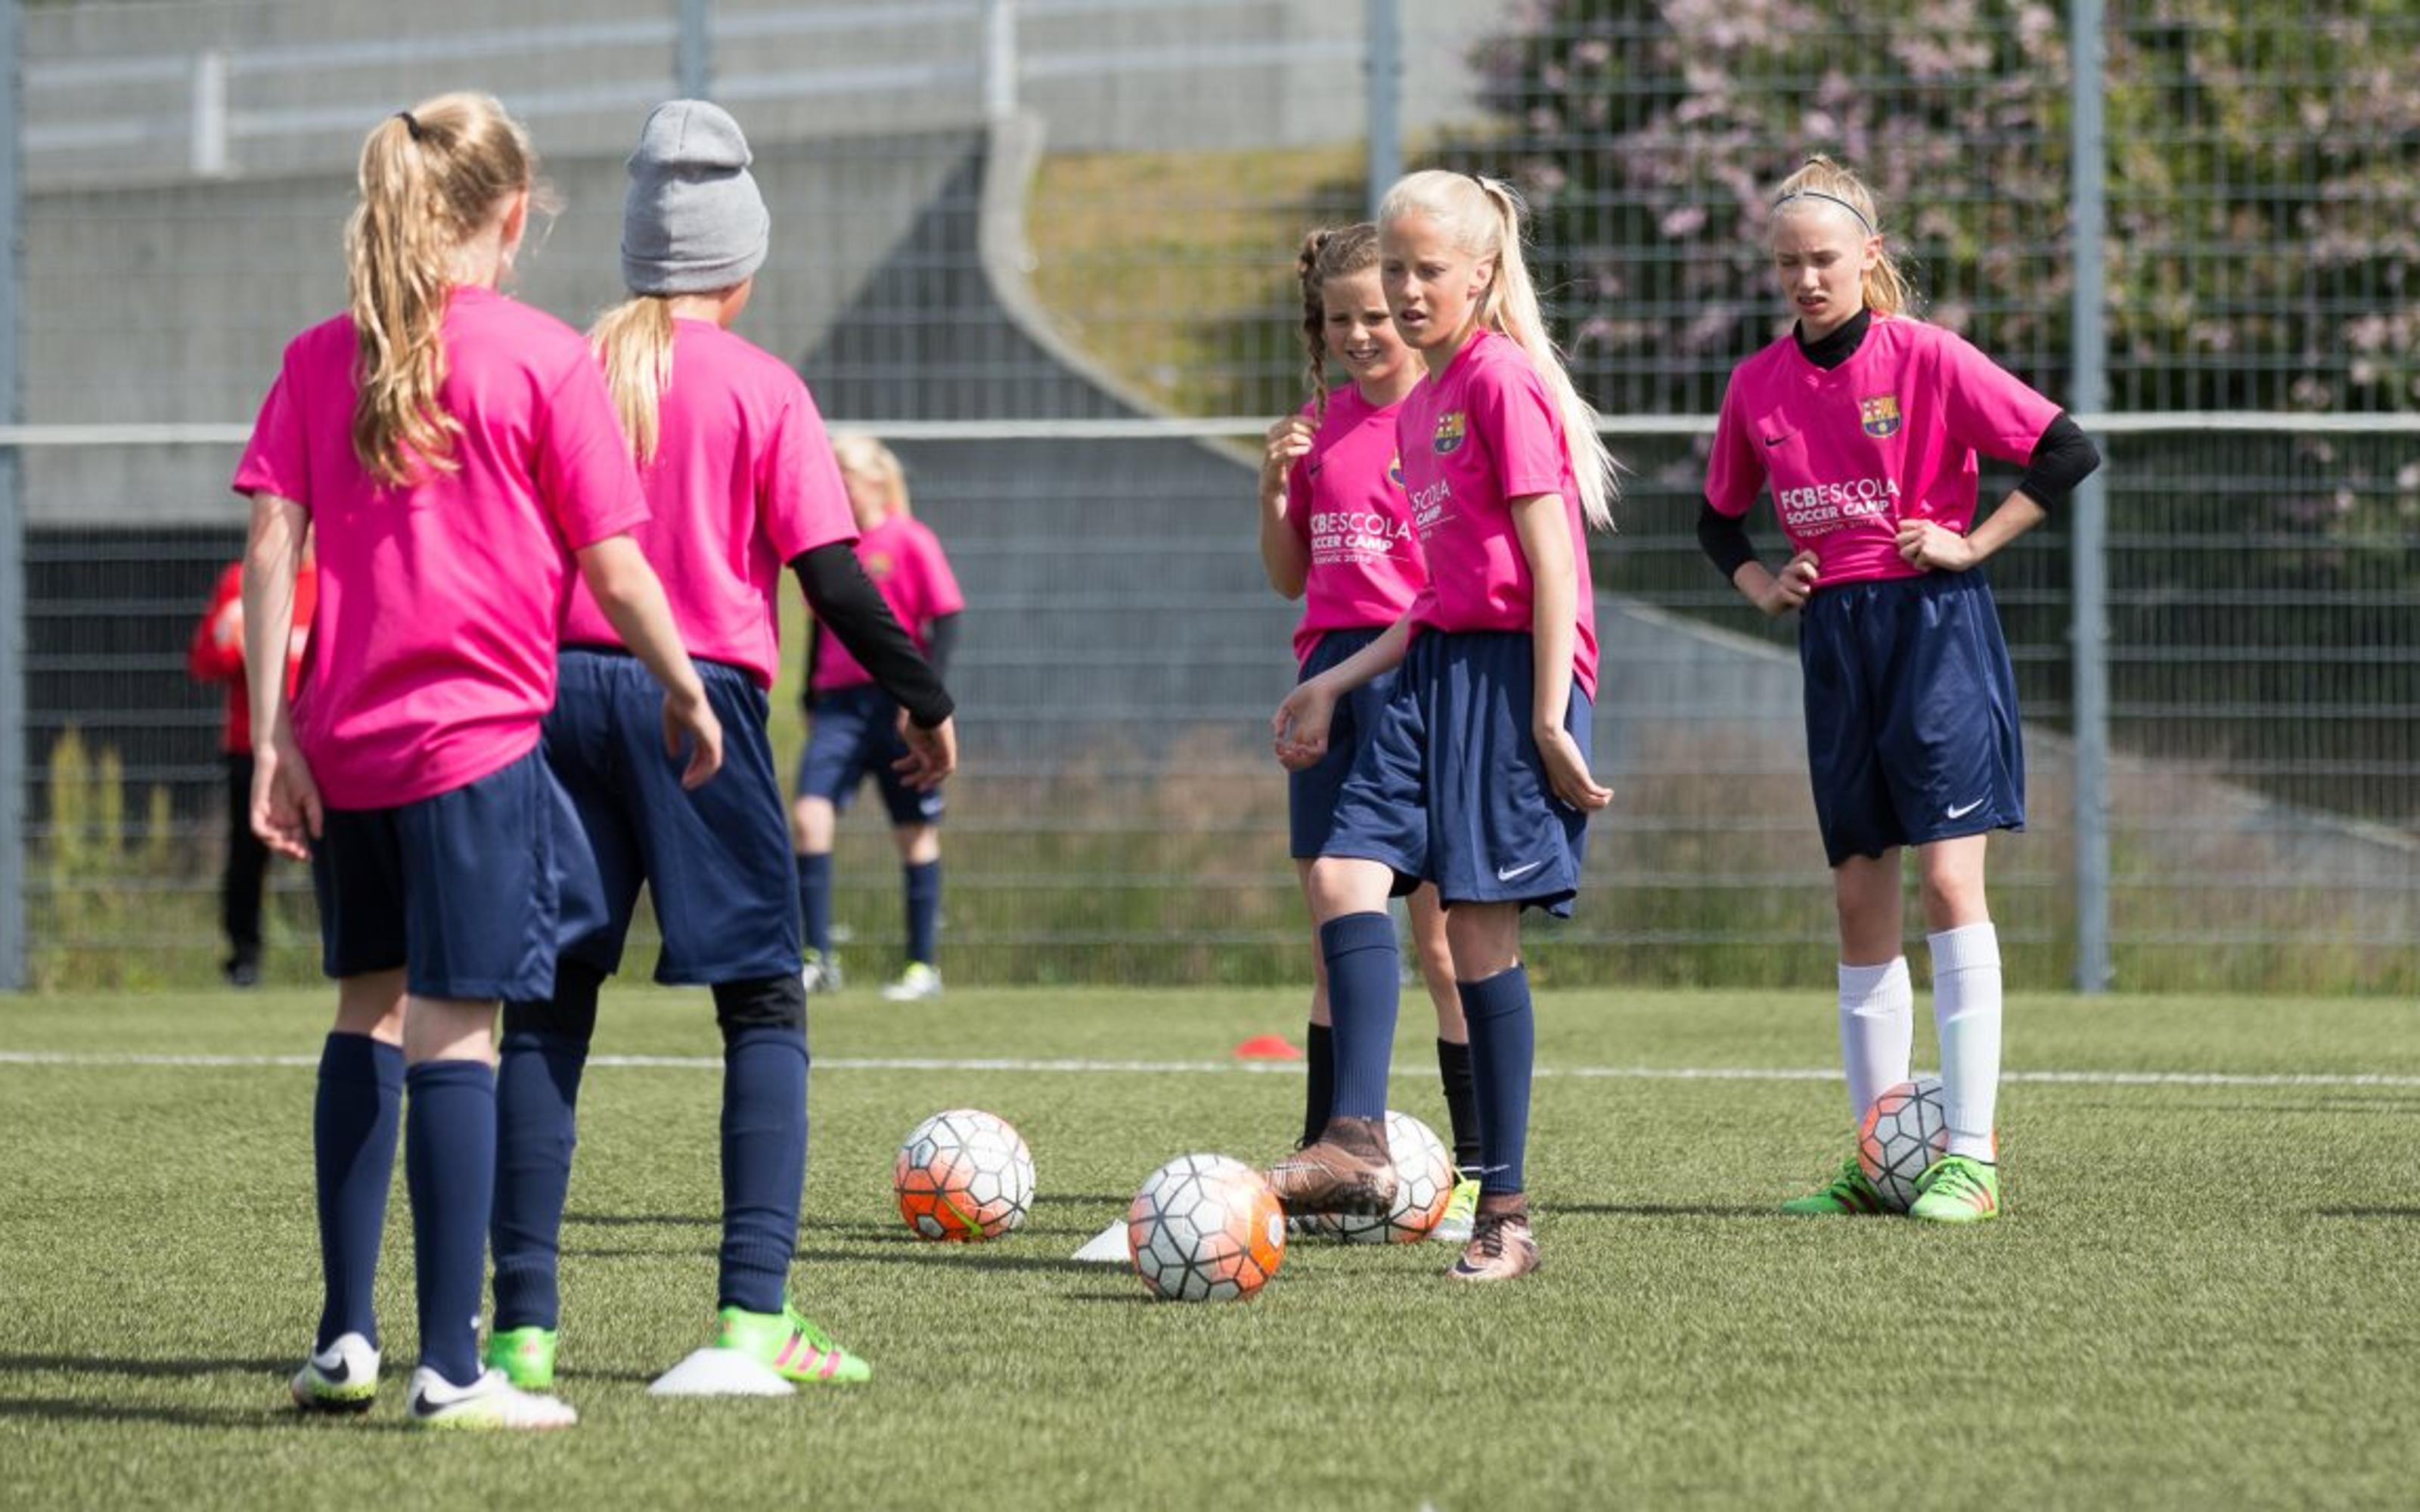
pixel 247 865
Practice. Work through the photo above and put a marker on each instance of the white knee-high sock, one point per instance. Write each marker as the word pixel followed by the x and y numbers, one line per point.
pixel 1877 1029
pixel 1966 1012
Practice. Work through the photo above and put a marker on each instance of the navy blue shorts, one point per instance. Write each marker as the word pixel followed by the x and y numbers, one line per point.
pixel 1311 795
pixel 855 736
pixel 1912 733
pixel 466 891
pixel 716 862
pixel 1449 787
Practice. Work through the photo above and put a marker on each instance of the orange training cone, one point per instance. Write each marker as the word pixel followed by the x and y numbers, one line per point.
pixel 1268 1047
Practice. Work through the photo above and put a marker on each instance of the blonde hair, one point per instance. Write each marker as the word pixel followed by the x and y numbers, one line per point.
pixel 634 342
pixel 866 457
pixel 1330 252
pixel 1884 287
pixel 430 179
pixel 1483 217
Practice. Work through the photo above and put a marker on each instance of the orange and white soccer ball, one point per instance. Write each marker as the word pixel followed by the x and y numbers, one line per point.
pixel 1905 1131
pixel 1424 1179
pixel 963 1176
pixel 1205 1228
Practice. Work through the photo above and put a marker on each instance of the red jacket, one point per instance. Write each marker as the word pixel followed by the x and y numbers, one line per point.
pixel 216 655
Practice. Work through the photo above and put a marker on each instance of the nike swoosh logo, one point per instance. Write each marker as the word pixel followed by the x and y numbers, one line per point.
pixel 1509 873
pixel 1776 441
pixel 1961 813
pixel 422 1406
pixel 337 1374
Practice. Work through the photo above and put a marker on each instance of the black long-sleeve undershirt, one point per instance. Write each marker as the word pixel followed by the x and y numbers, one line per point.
pixel 847 603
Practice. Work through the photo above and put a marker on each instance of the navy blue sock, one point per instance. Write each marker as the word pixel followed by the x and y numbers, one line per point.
pixel 1319 1084
pixel 924 883
pixel 815 901
pixel 354 1119
pixel 449 1162
pixel 537 1103
pixel 1461 1101
pixel 1503 1044
pixel 764 1163
pixel 1365 977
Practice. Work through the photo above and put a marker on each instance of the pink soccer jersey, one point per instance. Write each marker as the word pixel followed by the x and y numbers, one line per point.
pixel 905 562
pixel 742 481
pixel 432 655
pixel 1345 499
pixel 1473 439
pixel 1890 435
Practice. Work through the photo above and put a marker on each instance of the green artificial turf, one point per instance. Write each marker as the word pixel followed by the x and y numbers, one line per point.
pixel 2202 1294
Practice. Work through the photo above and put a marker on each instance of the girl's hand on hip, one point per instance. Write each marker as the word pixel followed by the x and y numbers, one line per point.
pixel 1790 586
pixel 1923 544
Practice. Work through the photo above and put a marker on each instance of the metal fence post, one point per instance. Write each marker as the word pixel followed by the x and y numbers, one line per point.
pixel 694 50
pixel 209 147
pixel 999 59
pixel 2090 523
pixel 1382 27
pixel 14 738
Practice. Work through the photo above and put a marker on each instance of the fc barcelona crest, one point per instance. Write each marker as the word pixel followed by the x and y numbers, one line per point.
pixel 877 564
pixel 1880 415
pixel 1395 471
pixel 1449 432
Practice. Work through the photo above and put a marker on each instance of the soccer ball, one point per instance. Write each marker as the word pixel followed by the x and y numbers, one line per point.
pixel 963 1176
pixel 1424 1179
pixel 1205 1228
pixel 1904 1132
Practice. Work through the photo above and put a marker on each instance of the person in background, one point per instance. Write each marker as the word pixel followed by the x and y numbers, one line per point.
pixel 216 657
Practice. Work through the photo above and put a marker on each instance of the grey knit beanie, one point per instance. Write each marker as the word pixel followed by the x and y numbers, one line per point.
pixel 693 221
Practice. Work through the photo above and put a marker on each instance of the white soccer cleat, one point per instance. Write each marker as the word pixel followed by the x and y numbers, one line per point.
pixel 915 984
pixel 342 1378
pixel 820 973
pixel 492 1402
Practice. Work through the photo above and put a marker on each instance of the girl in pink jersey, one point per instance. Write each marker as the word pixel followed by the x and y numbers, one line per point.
pixel 1477 777
pixel 1864 423
pixel 1336 532
pixel 453 455
pixel 854 724
pixel 740 482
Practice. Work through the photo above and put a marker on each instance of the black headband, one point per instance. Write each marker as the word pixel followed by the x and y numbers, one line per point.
pixel 411 124
pixel 1817 193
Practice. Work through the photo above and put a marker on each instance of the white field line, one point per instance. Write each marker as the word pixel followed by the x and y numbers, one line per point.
pixel 1268 1068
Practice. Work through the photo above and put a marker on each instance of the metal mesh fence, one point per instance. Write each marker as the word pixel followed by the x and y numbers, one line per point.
pixel 1059 209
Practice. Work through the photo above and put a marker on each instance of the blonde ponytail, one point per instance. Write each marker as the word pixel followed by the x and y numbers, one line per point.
pixel 634 342
pixel 1483 217
pixel 429 179
pixel 1884 287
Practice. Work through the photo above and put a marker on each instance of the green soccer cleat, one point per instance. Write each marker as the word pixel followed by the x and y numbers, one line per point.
pixel 797 1350
pixel 916 984
pixel 1958 1189
pixel 525 1355
pixel 1847 1195
pixel 1460 1208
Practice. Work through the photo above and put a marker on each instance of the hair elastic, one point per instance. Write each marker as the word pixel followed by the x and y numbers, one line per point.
pixel 411 124
pixel 1817 193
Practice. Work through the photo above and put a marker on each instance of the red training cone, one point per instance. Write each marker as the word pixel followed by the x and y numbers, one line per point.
pixel 1268 1047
